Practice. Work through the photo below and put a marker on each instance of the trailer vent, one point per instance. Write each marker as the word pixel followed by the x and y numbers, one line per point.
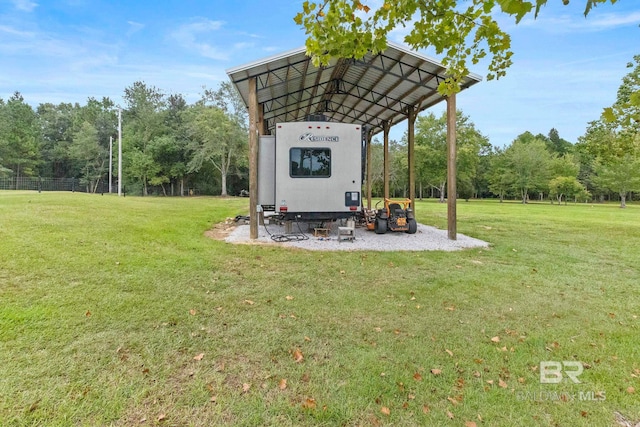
pixel 316 118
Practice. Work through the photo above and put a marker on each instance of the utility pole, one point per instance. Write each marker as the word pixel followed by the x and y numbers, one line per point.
pixel 119 151
pixel 110 162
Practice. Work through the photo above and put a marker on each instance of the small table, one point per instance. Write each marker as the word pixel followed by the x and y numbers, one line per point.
pixel 346 233
pixel 321 232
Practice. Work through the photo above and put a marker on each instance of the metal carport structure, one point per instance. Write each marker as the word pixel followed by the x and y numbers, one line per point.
pixel 377 91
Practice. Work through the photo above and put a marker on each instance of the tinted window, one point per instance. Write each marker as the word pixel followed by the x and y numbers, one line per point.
pixel 310 162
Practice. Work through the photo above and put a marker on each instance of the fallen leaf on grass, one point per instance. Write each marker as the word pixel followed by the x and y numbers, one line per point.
pixel 449 352
pixel 426 409
pixel 213 399
pixel 88 313
pixel 309 403
pixel 192 312
pixel 282 384
pixel 297 355
pixel 452 400
pixel 385 410
pixel 436 371
pixel 246 387
pixel 495 339
pixel 631 390
pixel 417 376
pixel 502 383
pixel 470 424
pixel 288 297
pixel 248 301
pixel 198 357
pixel 450 415
pixel 162 417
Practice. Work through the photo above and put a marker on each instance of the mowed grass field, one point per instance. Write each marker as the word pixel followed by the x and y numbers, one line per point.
pixel 120 311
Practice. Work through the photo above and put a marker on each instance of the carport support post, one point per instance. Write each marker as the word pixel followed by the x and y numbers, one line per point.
pixel 261 129
pixel 411 160
pixel 369 136
pixel 386 127
pixel 253 158
pixel 451 167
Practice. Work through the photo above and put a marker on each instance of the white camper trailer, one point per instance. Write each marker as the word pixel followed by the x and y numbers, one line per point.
pixel 311 170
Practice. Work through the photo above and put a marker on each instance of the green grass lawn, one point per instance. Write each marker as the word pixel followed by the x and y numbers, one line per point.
pixel 120 311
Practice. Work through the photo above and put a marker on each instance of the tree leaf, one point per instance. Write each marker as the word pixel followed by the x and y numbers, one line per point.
pixel 198 357
pixel 309 403
pixel 282 384
pixel 385 410
pixel 436 371
pixel 298 356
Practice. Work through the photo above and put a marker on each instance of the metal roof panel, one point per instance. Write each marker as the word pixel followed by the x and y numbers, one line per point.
pixel 368 91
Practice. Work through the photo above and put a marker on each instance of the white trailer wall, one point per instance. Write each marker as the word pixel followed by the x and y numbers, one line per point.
pixel 311 189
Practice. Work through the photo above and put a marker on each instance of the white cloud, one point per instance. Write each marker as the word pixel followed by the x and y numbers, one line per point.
pixel 134 27
pixel 573 24
pixel 24 5
pixel 243 45
pixel 17 33
pixel 190 36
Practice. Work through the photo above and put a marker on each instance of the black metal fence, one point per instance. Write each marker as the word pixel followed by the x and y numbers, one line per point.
pixel 52 184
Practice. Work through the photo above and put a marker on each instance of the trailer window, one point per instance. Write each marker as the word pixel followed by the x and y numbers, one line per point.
pixel 310 162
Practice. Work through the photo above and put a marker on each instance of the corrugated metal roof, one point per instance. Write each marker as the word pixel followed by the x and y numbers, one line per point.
pixel 369 91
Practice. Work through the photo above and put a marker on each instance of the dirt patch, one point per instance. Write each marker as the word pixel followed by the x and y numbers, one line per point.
pixel 222 230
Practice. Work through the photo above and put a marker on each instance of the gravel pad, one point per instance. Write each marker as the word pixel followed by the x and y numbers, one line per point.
pixel 427 238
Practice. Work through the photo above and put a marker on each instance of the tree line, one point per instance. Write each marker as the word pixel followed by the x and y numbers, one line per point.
pixel 171 146
pixel 604 163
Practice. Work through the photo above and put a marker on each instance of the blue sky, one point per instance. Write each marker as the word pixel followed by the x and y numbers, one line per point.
pixel 566 68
